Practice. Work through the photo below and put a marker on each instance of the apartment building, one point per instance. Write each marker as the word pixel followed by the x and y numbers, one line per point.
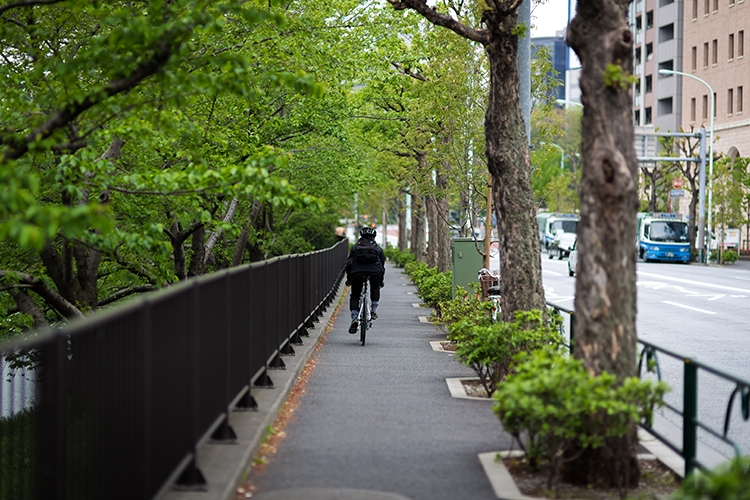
pixel 658 29
pixel 715 45
pixel 558 51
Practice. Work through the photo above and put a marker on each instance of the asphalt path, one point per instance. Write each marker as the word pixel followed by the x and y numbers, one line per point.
pixel 380 417
pixel 698 312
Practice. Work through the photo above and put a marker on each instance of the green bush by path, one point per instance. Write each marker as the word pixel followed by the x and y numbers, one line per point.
pixel 729 480
pixel 399 258
pixel 553 402
pixel 489 348
pixel 433 287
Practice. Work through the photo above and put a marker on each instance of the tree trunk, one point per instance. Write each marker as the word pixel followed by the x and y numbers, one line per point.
pixel 198 258
pixel 402 236
pixel 442 229
pixel 605 303
pixel 418 237
pixel 508 162
pixel 432 224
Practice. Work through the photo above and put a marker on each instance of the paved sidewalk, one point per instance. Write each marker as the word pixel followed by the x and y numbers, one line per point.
pixel 378 421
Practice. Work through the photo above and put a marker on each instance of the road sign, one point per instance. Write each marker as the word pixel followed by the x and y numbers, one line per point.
pixel 677 193
pixel 677 183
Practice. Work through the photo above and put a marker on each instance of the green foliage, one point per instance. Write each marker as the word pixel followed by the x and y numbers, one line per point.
pixel 552 401
pixel 489 348
pixel 399 258
pixel 729 480
pixel 727 256
pixel 433 286
pixel 465 306
pixel 617 78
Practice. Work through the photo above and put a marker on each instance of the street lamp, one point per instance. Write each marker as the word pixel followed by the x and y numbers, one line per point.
pixel 566 103
pixel 710 144
pixel 562 153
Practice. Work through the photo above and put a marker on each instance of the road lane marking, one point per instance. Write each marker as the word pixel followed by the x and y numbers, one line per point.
pixel 739 278
pixel 658 285
pixel 688 307
pixel 693 282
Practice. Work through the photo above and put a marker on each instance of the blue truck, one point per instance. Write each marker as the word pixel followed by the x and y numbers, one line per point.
pixel 662 237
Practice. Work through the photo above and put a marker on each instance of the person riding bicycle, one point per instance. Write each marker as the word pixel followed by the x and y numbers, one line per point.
pixel 366 259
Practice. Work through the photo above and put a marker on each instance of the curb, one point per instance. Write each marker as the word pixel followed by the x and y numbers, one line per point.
pixel 225 466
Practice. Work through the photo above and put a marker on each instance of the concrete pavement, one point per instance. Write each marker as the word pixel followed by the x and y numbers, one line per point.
pixel 379 419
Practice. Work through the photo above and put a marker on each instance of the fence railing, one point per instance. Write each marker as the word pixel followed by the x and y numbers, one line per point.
pixel 121 400
pixel 648 359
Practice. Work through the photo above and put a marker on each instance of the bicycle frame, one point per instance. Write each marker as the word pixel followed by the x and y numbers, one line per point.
pixel 365 320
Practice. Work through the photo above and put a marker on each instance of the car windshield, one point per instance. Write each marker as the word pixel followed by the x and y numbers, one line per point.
pixel 568 226
pixel 668 231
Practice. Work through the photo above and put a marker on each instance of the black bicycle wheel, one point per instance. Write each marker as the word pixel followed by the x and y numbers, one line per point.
pixel 363 315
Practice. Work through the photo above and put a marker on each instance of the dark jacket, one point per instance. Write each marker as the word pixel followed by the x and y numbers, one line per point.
pixel 353 267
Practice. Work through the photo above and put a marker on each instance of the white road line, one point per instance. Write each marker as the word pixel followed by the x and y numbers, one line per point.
pixel 738 278
pixel 693 282
pixel 553 273
pixel 688 307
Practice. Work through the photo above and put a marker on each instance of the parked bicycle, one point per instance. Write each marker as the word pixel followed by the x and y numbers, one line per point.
pixel 491 290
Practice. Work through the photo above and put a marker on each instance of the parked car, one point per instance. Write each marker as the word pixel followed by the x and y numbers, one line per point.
pixel 562 244
pixel 573 260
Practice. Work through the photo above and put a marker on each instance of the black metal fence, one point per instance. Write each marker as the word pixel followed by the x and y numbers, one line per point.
pixel 120 400
pixel 649 360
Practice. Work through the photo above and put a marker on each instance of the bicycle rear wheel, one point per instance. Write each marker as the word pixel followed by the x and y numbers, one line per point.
pixel 364 315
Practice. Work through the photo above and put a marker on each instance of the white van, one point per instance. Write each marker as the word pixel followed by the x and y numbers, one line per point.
pixel 556 225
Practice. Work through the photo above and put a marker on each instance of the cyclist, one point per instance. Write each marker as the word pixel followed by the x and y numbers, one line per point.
pixel 365 260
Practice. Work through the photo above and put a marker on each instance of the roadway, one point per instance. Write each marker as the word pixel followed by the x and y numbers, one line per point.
pixel 693 310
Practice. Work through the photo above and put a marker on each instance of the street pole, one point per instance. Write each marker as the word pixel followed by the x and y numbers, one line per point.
pixel 710 144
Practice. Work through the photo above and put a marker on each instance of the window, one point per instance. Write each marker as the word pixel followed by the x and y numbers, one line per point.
pixel 649 51
pixel 649 19
pixel 666 33
pixel 664 106
pixel 705 107
pixel 705 55
pixel 730 101
pixel 648 116
pixel 637 116
pixel 714 51
pixel 739 99
pixel 740 43
pixel 666 65
pixel 730 46
pixel 716 5
pixel 695 9
pixel 706 7
pixel 692 109
pixel 714 103
pixel 638 55
pixel 662 3
pixel 649 84
pixel 731 3
pixel 694 59
pixel 638 87
pixel 638 23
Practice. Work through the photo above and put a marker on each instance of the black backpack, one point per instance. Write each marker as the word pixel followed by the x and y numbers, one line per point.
pixel 366 252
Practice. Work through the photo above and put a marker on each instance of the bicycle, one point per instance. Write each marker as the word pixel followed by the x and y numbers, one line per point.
pixel 365 319
pixel 491 287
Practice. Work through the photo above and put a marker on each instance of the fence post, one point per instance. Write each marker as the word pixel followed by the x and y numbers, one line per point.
pixel 572 330
pixel 690 415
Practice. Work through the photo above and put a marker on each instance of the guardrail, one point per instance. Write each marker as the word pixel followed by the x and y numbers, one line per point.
pixel 120 401
pixel 690 424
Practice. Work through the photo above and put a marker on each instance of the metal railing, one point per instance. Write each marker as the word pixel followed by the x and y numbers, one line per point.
pixel 122 399
pixel 649 353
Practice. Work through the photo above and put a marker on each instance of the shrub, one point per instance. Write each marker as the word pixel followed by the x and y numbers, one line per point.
pixel 729 480
pixel 464 305
pixel 489 348
pixel 435 288
pixel 552 401
pixel 727 256
pixel 399 258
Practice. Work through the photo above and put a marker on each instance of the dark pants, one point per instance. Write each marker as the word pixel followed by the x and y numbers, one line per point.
pixel 357 280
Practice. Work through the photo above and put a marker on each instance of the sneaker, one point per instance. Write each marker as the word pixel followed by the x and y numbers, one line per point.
pixel 374 315
pixel 353 326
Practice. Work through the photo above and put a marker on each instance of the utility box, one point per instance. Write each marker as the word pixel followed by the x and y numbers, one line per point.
pixel 467 262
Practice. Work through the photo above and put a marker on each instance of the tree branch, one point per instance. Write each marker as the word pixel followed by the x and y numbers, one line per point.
pixel 27 3
pixel 64 116
pixel 124 293
pixel 444 20
pixel 53 298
